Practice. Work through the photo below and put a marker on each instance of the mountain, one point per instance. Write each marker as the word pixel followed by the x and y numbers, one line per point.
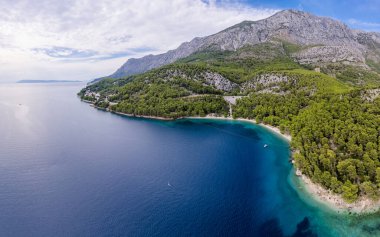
pixel 313 40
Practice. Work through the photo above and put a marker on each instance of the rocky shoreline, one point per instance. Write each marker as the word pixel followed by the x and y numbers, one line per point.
pixel 335 202
pixel 142 116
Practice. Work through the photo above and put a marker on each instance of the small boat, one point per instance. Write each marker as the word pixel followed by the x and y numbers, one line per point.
pixel 169 184
pixel 265 145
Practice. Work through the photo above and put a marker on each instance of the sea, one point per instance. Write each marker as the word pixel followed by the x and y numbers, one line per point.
pixel 68 169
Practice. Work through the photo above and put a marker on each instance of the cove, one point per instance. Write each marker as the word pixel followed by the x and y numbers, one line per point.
pixel 68 169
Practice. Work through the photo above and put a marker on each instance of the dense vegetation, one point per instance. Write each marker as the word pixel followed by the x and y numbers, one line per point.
pixel 153 94
pixel 355 76
pixel 334 122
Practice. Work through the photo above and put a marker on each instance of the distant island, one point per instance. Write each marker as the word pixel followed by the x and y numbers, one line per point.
pixel 46 81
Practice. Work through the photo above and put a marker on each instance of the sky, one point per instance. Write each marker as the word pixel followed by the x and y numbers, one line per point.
pixel 87 39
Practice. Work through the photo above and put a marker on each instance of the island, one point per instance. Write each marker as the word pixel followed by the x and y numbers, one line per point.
pixel 306 79
pixel 46 81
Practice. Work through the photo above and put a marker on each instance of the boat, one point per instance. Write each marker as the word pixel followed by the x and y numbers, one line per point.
pixel 265 145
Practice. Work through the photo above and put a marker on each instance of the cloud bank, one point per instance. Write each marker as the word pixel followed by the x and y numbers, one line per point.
pixel 83 39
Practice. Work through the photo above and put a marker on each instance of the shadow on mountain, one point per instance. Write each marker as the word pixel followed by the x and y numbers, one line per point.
pixel 271 228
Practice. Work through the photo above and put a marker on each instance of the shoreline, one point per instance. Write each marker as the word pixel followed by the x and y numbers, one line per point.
pixel 335 202
pixel 275 130
pixel 316 192
pixel 142 116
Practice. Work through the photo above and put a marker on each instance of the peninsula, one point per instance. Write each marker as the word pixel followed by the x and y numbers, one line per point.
pixel 311 77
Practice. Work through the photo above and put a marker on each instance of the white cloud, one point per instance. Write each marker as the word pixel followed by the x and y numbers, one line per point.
pixel 83 39
pixel 364 25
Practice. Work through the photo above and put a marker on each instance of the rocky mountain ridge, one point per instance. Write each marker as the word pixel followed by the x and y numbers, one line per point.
pixel 316 41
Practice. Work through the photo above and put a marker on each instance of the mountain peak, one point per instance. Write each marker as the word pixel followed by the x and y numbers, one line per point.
pixel 284 14
pixel 291 12
pixel 300 28
pixel 294 13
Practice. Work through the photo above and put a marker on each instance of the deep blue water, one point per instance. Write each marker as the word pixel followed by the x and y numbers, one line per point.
pixel 67 169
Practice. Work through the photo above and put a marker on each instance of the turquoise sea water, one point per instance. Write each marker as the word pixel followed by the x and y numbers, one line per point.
pixel 67 169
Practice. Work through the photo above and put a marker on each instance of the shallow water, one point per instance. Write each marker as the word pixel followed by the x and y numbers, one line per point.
pixel 67 169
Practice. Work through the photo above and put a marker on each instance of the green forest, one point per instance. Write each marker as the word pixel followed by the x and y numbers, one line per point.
pixel 333 115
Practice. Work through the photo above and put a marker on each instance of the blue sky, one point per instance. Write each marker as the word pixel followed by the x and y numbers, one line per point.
pixel 82 39
pixel 361 14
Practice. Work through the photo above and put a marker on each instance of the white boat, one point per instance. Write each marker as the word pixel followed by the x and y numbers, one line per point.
pixel 265 145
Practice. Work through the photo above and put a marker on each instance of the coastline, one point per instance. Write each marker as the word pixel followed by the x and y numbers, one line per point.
pixel 335 202
pixel 275 130
pixel 325 197
pixel 141 116
pixel 269 127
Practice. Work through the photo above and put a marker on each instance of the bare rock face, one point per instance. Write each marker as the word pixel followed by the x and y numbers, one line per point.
pixel 330 54
pixel 336 41
pixel 264 80
pixel 370 94
pixel 371 41
pixel 140 65
pixel 219 82
pixel 206 78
